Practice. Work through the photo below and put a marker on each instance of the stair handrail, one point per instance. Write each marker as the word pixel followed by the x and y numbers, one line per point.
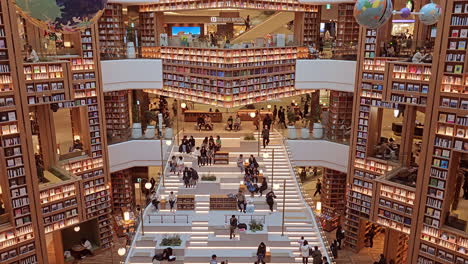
pixel 307 199
pixel 146 210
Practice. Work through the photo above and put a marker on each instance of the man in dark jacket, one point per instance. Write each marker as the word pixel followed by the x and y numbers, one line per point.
pixel 232 226
pixel 266 136
pixel 270 199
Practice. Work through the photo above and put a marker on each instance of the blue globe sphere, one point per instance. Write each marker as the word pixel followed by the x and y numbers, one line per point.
pixel 373 13
pixel 430 14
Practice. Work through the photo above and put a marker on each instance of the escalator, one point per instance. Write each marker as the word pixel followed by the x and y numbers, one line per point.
pixel 274 24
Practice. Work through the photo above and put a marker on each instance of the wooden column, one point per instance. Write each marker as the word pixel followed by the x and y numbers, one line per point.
pixel 407 135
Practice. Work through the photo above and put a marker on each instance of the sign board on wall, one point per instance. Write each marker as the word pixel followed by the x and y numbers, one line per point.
pixel 226 19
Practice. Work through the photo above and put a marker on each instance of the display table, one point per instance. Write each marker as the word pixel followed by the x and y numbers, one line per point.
pixel 329 218
pixel 244 114
pixel 193 115
pixel 185 202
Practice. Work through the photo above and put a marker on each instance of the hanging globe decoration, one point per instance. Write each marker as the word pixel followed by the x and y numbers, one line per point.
pixel 373 13
pixel 430 14
pixel 405 12
pixel 64 16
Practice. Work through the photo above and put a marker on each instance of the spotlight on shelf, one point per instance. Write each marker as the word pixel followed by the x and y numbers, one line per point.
pixel 396 112
pixel 121 251
pixel 126 216
pixel 252 115
pixel 183 105
pixel 77 228
pixel 269 106
pixel 319 206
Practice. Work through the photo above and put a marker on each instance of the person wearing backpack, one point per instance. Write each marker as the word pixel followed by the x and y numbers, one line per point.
pixel 316 256
pixel 232 226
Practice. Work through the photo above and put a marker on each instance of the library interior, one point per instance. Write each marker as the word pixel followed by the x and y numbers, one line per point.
pixel 233 131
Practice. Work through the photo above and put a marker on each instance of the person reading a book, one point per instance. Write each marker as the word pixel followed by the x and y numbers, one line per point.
pixel 31 54
pixel 420 56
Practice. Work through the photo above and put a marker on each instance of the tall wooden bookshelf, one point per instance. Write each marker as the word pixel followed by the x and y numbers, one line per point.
pixel 311 27
pixel 148 34
pixel 117 113
pixel 334 189
pixel 340 116
pixel 19 240
pixel 347 34
pixel 122 190
pixel 112 32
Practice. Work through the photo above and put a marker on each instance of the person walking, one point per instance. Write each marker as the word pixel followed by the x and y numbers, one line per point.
pixel 232 226
pixel 194 178
pixel 186 177
pixel 266 136
pixel 180 165
pixel 305 251
pixel 261 253
pixel 172 201
pixel 267 121
pixel 339 236
pixel 270 200
pixel 370 235
pixel 264 186
pixel 334 249
pixel 318 187
pixel 316 256
pixel 241 203
pixel 173 164
pixel 282 117
pixel 240 163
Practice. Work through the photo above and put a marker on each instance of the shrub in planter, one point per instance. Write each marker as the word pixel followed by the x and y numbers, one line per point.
pixel 208 178
pixel 171 241
pixel 249 137
pixel 255 226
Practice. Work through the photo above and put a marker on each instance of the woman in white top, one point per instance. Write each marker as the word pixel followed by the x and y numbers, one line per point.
pixel 180 165
pixel 305 248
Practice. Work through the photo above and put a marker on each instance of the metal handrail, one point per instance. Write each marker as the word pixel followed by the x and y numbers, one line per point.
pixel 167 215
pixel 262 217
pixel 309 201
pixel 146 210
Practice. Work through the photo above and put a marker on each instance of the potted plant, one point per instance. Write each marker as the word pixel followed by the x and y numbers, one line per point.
pixel 210 178
pixel 255 226
pixel 136 127
pixel 249 142
pixel 171 241
pixel 292 134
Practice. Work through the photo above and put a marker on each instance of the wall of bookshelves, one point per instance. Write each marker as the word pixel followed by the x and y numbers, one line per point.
pixel 276 5
pixel 228 77
pixel 117 113
pixel 148 34
pixel 112 32
pixel 311 27
pixel 340 116
pixel 347 34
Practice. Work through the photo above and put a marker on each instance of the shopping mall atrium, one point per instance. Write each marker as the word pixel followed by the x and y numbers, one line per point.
pixel 233 131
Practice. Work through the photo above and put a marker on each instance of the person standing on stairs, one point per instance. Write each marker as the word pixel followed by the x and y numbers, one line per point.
pixel 318 187
pixel 240 163
pixel 270 199
pixel 173 164
pixel 247 23
pixel 180 165
pixel 232 226
pixel 266 136
pixel 264 186
pixel 275 113
pixel 305 251
pixel 213 260
pixel 241 201
pixel 301 242
pixel 210 155
pixel 203 156
pixel 172 201
pixel 197 155
pixel 261 253
pixel 316 256
pixel 187 176
pixel 194 178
